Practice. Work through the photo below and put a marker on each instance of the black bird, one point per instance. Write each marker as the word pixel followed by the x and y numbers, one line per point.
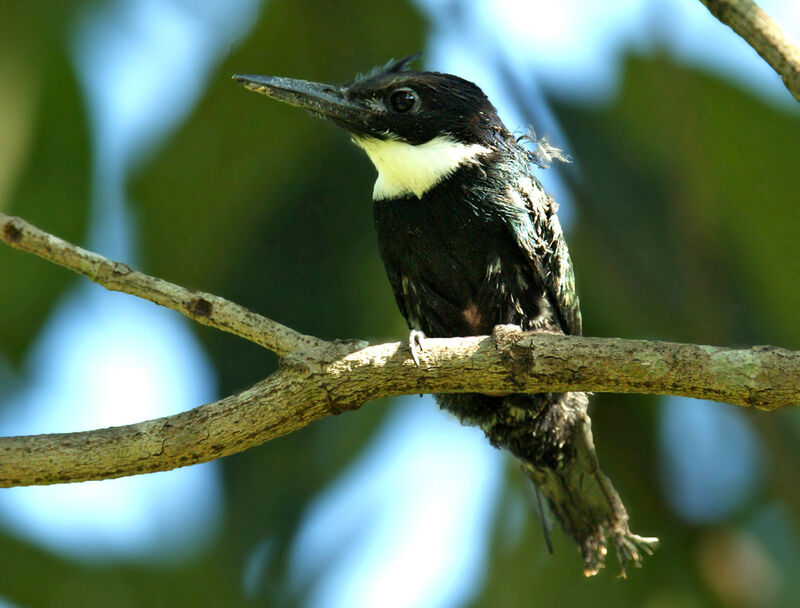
pixel 470 240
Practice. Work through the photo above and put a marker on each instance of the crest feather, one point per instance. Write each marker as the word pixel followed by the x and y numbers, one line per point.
pixel 393 65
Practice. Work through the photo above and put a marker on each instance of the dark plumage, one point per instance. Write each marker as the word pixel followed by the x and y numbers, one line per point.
pixel 470 240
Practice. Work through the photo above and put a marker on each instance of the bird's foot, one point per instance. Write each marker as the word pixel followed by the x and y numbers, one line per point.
pixel 505 336
pixel 506 329
pixel 631 548
pixel 415 339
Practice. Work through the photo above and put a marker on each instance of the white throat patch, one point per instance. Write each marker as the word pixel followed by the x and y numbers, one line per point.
pixel 408 169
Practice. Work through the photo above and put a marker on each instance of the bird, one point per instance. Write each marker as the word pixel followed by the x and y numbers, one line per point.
pixel 470 241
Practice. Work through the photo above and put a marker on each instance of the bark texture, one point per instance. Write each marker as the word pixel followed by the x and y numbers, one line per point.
pixel 747 19
pixel 318 378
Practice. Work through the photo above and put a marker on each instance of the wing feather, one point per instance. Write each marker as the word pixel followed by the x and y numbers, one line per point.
pixel 541 240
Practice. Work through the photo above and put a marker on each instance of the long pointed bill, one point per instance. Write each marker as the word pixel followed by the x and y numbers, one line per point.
pixel 323 99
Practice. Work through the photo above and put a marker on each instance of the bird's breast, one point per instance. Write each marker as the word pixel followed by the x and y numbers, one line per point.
pixel 453 267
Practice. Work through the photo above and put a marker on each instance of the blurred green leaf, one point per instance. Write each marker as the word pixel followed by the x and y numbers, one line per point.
pixel 33 577
pixel 688 217
pixel 44 160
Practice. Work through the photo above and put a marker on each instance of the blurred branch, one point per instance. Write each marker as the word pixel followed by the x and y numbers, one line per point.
pixel 204 308
pixel 318 378
pixel 747 19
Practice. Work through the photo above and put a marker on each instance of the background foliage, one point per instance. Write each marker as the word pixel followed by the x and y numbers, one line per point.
pixel 685 223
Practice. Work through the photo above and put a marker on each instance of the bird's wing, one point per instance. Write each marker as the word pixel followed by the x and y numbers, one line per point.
pixel 542 241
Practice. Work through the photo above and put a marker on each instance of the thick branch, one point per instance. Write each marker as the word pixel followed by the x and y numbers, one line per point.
pixel 304 390
pixel 751 23
pixel 204 308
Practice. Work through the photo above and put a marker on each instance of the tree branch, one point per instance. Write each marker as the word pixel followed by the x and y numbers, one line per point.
pixel 747 19
pixel 318 378
pixel 204 308
pixel 305 390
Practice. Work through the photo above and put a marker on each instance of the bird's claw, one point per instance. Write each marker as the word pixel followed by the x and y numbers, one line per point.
pixel 415 339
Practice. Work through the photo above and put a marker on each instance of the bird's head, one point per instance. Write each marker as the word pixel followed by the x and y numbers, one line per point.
pixel 416 127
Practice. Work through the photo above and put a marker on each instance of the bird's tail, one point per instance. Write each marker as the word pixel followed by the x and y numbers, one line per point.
pixel 581 498
pixel 551 435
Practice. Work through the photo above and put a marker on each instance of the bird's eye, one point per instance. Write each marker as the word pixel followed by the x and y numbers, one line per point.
pixel 403 100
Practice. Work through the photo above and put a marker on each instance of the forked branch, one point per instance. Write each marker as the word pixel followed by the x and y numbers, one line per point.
pixel 318 378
